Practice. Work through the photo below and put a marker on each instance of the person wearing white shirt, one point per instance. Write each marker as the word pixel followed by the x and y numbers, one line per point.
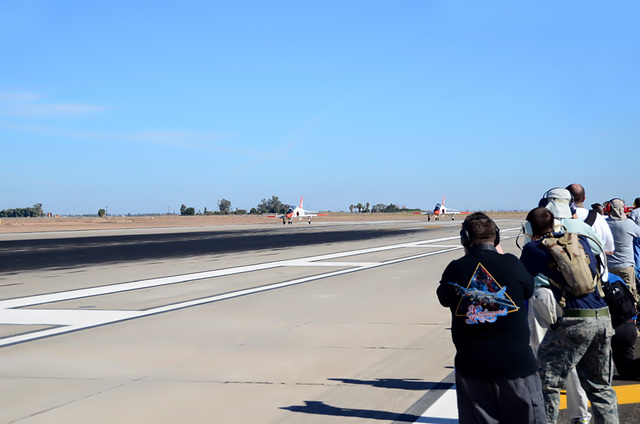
pixel 635 217
pixel 600 225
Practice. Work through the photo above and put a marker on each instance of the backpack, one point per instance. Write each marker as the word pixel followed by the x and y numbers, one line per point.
pixel 573 263
pixel 619 298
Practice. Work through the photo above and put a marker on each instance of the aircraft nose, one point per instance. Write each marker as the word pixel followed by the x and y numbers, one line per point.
pixel 289 215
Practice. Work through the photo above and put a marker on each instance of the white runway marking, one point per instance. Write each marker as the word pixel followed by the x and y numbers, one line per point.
pixel 65 321
pixel 443 411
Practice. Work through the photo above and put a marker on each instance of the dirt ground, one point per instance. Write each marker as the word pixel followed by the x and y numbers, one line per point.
pixel 31 225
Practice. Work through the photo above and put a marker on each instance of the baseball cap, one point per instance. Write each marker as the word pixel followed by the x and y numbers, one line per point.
pixel 558 201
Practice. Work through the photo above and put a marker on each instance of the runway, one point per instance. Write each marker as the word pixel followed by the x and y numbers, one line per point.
pixel 314 324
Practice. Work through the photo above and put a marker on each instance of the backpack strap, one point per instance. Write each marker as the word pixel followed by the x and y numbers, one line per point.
pixel 563 290
pixel 591 218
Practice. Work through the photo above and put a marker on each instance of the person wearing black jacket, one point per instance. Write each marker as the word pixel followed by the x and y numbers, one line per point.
pixel 496 370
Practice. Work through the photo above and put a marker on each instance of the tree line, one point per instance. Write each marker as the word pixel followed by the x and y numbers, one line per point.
pixel 32 212
pixel 273 205
pixel 266 206
pixel 379 208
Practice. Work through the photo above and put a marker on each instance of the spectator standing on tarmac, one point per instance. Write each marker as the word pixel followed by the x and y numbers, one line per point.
pixel 581 338
pixel 543 307
pixel 496 371
pixel 622 262
pixel 598 208
pixel 635 217
pixel 623 319
pixel 596 220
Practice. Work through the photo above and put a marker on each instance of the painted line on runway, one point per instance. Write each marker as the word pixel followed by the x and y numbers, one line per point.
pixel 156 282
pixel 628 393
pixel 445 408
pixel 74 320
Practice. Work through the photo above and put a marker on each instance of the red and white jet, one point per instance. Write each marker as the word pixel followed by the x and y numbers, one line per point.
pixel 440 209
pixel 297 212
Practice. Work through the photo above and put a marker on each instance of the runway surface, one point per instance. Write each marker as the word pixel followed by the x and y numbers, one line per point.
pixel 271 324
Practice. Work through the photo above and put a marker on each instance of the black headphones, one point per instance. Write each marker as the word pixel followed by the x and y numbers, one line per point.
pixel 465 239
pixel 545 200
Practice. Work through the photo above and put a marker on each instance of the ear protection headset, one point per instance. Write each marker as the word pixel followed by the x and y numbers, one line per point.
pixel 607 207
pixel 545 201
pixel 465 238
pixel 525 231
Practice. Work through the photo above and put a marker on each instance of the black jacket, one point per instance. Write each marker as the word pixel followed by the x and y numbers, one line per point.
pixel 489 314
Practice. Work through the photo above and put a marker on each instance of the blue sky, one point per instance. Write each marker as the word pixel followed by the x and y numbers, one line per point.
pixel 143 106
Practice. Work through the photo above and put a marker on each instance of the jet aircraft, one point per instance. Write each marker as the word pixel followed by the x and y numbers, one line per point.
pixel 440 209
pixel 297 212
pixel 485 296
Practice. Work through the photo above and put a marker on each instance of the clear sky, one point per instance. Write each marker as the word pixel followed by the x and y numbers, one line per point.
pixel 142 106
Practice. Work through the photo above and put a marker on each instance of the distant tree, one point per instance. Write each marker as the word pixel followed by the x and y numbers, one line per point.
pixel 225 206
pixel 101 213
pixel 391 208
pixel 35 211
pixel 359 206
pixel 367 207
pixel 185 211
pixel 254 211
pixel 351 208
pixel 273 205
pixel 37 208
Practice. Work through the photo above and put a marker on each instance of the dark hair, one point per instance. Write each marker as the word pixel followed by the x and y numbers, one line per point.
pixel 598 208
pixel 480 229
pixel 636 203
pixel 541 220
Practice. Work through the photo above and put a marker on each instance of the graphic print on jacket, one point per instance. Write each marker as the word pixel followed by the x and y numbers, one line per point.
pixel 483 300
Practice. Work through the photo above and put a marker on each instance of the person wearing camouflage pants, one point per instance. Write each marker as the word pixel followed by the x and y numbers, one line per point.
pixel 584 343
pixel 581 338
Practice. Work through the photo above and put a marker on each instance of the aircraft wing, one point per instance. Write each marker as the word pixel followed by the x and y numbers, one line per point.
pixel 456 212
pixel 423 213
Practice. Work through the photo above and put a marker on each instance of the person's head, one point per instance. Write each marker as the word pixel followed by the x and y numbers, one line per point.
pixel 559 201
pixel 636 203
pixel 616 209
pixel 598 208
pixel 577 191
pixel 541 220
pixel 478 228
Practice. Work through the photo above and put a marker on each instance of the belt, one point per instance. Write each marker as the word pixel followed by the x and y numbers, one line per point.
pixel 602 312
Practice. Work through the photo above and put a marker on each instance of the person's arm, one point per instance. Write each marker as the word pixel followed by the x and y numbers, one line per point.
pixel 605 233
pixel 447 294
